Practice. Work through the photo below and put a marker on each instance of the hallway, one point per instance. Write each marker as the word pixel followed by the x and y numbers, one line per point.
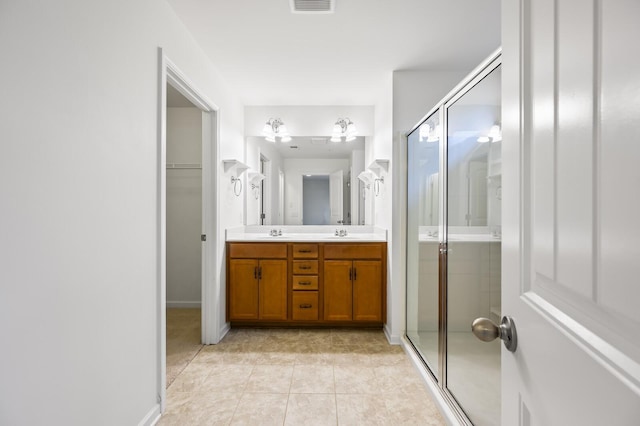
pixel 294 377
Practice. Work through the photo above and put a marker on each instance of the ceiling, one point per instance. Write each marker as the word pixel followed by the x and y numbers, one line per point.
pixel 274 57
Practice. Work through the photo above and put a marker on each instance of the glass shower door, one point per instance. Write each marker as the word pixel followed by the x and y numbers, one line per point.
pixel 473 218
pixel 423 236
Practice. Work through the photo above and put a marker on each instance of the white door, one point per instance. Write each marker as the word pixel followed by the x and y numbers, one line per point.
pixel 335 197
pixel 571 211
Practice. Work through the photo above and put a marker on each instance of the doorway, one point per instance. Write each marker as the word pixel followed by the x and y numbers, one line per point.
pixel 186 170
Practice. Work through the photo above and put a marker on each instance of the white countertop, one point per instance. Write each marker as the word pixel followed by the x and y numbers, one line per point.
pixel 321 233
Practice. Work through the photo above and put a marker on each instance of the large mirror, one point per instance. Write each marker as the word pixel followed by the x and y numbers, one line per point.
pixel 307 181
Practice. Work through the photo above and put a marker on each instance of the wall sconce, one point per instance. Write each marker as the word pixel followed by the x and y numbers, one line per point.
pixel 275 128
pixel 344 127
pixel 494 135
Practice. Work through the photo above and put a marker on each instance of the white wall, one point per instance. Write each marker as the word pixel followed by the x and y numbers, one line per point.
pixel 184 208
pixel 294 168
pixel 79 184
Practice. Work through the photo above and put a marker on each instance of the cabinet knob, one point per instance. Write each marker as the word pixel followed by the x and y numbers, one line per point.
pixel 306 306
pixel 304 283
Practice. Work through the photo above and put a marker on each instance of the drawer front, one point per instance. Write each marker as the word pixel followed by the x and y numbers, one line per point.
pixel 353 251
pixel 258 250
pixel 305 267
pixel 305 282
pixel 305 251
pixel 305 305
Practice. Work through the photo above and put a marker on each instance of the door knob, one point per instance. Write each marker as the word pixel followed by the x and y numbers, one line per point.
pixel 486 330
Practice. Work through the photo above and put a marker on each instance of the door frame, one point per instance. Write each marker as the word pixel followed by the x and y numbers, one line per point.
pixel 169 73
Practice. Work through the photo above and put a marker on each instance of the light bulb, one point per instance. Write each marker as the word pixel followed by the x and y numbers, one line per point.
pixel 285 138
pixel 483 139
pixel 270 138
pixel 267 130
pixel 335 138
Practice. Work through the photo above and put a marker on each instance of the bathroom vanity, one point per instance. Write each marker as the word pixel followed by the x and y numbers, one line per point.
pixel 311 278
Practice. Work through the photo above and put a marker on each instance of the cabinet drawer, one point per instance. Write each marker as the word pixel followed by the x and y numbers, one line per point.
pixel 353 251
pixel 305 282
pixel 305 266
pixel 305 305
pixel 305 251
pixel 258 250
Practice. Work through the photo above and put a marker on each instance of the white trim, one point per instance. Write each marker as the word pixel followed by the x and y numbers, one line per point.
pixel 152 417
pixel 182 304
pixel 393 339
pixel 447 413
pixel 171 74
pixel 226 327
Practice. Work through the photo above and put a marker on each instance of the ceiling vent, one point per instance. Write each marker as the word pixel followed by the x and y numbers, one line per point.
pixel 312 6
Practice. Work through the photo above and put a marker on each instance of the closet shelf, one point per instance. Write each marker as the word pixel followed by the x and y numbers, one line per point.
pixel 378 166
pixel 171 166
pixel 238 166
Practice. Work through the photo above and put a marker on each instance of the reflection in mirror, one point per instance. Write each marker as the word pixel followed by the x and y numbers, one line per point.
pixel 283 201
pixel 423 215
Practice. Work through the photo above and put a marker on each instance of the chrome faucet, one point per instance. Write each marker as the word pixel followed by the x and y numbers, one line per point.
pixel 275 232
pixel 341 233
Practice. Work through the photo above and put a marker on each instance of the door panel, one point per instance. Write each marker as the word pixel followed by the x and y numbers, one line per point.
pixel 338 291
pixel 243 289
pixel 570 233
pixel 367 290
pixel 273 289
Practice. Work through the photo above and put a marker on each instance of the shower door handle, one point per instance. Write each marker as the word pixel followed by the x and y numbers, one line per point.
pixel 486 330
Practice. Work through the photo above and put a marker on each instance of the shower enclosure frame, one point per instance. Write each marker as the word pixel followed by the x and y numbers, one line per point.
pixel 441 108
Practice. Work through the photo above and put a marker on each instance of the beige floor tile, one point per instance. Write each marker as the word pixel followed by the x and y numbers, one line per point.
pixel 311 410
pixel 223 377
pixel 260 409
pixel 398 379
pixel 417 409
pixel 350 355
pixel 270 379
pixel 355 380
pixel 362 410
pixel 200 408
pixel 190 379
pixel 273 354
pixel 313 379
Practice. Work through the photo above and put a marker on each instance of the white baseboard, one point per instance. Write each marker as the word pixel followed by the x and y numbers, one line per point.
pixel 432 386
pixel 393 339
pixel 152 417
pixel 224 330
pixel 180 304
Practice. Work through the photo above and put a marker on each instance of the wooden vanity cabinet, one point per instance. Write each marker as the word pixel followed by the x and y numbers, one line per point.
pixel 306 284
pixel 304 294
pixel 353 282
pixel 257 281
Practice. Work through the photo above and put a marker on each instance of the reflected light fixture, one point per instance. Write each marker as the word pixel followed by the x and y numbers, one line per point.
pixel 429 133
pixel 494 135
pixel 275 128
pixel 344 128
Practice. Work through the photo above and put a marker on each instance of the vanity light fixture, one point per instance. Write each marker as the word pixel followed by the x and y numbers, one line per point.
pixel 275 128
pixel 344 127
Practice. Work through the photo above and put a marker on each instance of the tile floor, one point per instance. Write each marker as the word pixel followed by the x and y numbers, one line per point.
pixel 295 377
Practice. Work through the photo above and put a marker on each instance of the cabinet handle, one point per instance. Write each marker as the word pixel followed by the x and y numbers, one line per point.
pixel 355 274
pixel 304 251
pixel 255 272
pixel 260 272
pixel 304 282
pixel 350 274
pixel 306 306
pixel 305 267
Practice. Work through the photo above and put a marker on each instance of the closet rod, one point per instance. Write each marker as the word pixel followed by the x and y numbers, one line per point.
pixel 183 166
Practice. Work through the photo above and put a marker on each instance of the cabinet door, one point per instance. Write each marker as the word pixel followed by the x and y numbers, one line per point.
pixel 367 290
pixel 337 290
pixel 243 289
pixel 273 289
